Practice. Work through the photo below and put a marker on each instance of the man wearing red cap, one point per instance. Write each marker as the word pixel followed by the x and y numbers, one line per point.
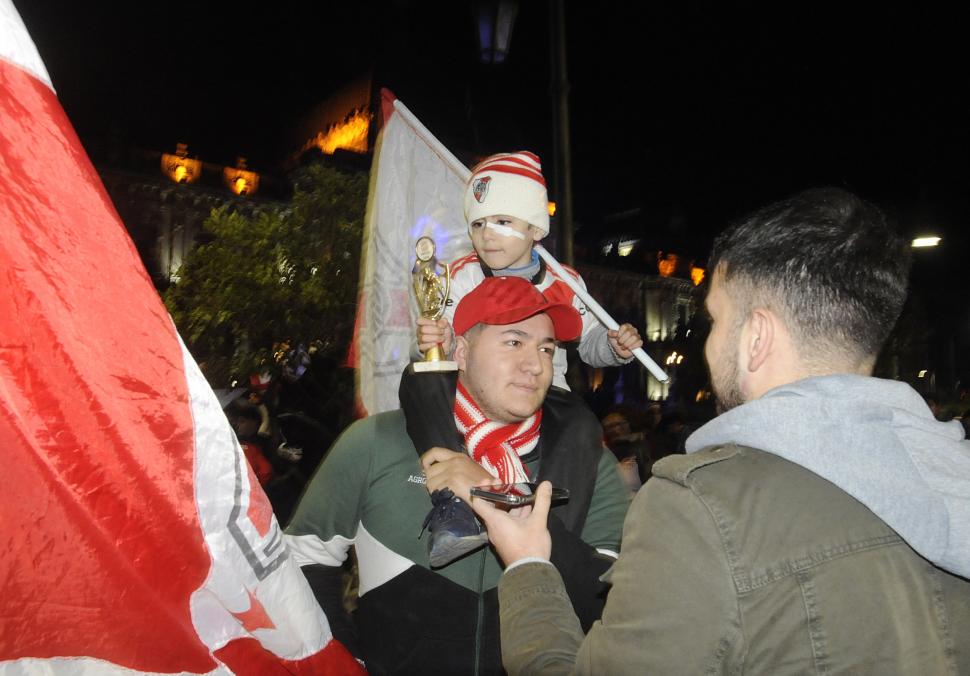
pixel 371 493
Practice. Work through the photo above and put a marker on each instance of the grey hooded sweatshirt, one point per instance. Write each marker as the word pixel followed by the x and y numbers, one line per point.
pixel 877 441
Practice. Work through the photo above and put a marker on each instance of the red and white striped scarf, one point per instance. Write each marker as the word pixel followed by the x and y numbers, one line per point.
pixel 498 447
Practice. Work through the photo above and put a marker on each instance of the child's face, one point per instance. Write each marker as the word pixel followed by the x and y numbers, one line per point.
pixel 503 241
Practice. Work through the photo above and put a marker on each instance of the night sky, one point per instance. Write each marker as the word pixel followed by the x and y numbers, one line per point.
pixel 692 113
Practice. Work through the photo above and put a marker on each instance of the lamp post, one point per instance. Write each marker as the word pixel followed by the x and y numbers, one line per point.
pixel 495 20
pixel 562 159
pixel 929 275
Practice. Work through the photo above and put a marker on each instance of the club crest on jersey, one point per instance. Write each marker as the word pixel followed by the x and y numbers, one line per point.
pixel 480 188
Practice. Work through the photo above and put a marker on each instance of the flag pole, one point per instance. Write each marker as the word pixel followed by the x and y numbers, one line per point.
pixel 598 310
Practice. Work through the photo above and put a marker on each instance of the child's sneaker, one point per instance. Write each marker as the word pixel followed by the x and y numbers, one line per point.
pixel 453 529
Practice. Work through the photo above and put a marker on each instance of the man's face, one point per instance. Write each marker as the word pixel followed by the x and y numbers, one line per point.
pixel 508 368
pixel 615 426
pixel 507 246
pixel 722 348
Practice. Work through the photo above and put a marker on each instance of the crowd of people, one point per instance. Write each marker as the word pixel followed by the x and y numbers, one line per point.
pixel 819 524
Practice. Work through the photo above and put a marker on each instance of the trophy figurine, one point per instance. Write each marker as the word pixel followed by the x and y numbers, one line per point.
pixel 432 294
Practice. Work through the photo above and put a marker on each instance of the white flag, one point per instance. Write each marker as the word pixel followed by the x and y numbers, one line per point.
pixel 416 190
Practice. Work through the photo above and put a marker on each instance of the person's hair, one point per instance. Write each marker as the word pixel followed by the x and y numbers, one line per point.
pixel 621 409
pixel 825 260
pixel 471 334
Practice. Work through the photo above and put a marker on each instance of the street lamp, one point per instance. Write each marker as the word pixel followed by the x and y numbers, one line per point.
pixel 495 20
pixel 926 242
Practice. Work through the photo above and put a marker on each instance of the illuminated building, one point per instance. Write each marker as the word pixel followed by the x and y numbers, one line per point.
pixel 164 198
pixel 164 217
pixel 638 266
pixel 662 308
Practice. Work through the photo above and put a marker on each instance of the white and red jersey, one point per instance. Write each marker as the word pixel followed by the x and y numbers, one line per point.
pixel 594 348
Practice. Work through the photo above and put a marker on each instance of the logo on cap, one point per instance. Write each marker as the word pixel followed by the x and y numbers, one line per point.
pixel 480 188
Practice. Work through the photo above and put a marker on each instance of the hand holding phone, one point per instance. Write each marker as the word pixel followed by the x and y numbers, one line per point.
pixel 516 495
pixel 517 532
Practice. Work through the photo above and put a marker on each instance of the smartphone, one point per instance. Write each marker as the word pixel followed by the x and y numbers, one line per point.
pixel 516 494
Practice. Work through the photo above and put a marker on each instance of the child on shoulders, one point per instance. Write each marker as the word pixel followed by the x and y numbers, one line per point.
pixel 506 207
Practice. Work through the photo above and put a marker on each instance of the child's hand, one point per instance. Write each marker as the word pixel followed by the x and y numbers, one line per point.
pixel 624 340
pixel 434 331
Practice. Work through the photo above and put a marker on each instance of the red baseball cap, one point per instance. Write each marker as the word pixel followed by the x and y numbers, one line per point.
pixel 506 300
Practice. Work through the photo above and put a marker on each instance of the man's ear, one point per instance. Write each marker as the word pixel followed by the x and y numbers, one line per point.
pixel 537 234
pixel 761 337
pixel 461 351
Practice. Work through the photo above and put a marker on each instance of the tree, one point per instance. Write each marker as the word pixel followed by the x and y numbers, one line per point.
pixel 284 274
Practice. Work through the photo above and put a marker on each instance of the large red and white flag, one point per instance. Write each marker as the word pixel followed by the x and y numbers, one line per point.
pixel 416 190
pixel 135 538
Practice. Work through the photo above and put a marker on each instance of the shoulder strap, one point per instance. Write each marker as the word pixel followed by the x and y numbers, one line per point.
pixel 678 467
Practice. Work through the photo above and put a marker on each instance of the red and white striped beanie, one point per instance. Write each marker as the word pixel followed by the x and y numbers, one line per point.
pixel 510 184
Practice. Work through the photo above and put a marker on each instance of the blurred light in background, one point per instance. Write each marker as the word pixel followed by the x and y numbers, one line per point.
pixel 351 134
pixel 696 276
pixel 666 265
pixel 180 167
pixel 239 180
pixel 625 248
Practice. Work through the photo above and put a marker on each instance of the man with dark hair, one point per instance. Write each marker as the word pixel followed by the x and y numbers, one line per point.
pixel 827 263
pixel 418 617
pixel 820 525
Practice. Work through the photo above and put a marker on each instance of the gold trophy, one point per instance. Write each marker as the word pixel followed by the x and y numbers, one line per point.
pixel 432 294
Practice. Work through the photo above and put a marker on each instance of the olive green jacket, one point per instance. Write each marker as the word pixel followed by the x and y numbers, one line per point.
pixel 736 561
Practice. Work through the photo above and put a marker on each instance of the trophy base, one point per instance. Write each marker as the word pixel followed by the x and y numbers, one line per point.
pixel 433 366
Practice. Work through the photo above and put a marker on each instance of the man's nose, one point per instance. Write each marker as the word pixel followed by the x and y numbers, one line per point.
pixel 531 362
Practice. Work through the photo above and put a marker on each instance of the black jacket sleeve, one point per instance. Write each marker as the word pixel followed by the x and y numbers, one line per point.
pixel 428 402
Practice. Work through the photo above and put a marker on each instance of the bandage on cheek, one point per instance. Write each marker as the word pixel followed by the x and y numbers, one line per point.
pixel 504 230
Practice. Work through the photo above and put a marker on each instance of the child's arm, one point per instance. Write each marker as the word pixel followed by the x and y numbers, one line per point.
pixel 599 347
pixel 624 341
pixel 433 331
